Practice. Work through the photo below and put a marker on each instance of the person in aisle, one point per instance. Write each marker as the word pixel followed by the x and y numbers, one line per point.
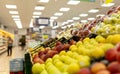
pixel 10 45
pixel 22 42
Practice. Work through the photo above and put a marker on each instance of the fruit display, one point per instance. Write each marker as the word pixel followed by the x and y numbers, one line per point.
pixel 80 55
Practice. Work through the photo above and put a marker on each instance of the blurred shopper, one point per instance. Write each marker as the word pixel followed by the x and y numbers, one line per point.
pixel 22 42
pixel 10 45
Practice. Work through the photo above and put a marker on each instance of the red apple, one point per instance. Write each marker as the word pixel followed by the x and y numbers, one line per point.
pixel 116 73
pixel 66 46
pixel 51 53
pixel 114 67
pixel 59 48
pixel 40 53
pixel 103 72
pixel 58 43
pixel 72 42
pixel 117 47
pixel 84 71
pixel 38 60
pixel 118 57
pixel 111 54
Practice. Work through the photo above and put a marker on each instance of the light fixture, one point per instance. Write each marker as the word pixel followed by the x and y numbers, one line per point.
pixel 11 6
pixel 41 27
pixel 19 24
pixel 71 2
pixel 13 12
pixel 31 23
pixel 93 11
pixel 76 18
pixel 83 15
pixel 44 1
pixel 36 16
pixel 53 17
pixel 84 21
pixel 37 13
pixel 55 27
pixel 108 5
pixel 64 27
pixel 64 9
pixel 91 19
pixel 58 14
pixel 15 16
pixel 16 19
pixel 39 8
pixel 65 23
pixel 70 20
pixel 100 15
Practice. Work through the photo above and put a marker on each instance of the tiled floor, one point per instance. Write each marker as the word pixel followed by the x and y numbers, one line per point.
pixel 4 59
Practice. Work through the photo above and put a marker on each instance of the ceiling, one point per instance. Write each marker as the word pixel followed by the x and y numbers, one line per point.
pixel 26 9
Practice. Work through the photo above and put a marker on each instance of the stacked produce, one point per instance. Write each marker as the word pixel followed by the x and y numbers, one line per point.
pixel 80 55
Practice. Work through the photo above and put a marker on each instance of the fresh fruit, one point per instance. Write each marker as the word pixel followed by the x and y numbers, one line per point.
pixel 84 71
pixel 103 72
pixel 73 68
pixel 97 53
pixel 117 47
pixel 38 68
pixel 114 67
pixel 73 48
pixel 116 38
pixel 44 72
pixel 100 39
pixel 97 67
pixel 118 57
pixel 38 60
pixel 111 54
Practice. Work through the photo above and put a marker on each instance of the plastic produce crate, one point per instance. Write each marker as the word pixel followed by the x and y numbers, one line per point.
pixel 16 65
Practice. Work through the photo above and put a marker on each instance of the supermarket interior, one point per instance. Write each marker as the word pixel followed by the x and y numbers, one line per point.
pixel 60 36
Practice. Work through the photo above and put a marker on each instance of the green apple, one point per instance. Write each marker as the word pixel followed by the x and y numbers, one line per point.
pixel 49 60
pixel 84 62
pixel 62 53
pixel 73 48
pixel 44 72
pixel 106 46
pixel 69 53
pixel 97 53
pixel 37 68
pixel 79 43
pixel 55 57
pixel 100 39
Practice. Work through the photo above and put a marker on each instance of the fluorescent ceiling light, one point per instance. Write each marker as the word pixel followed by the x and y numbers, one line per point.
pixel 64 23
pixel 31 23
pixel 108 5
pixel 83 15
pixel 100 15
pixel 15 16
pixel 58 14
pixel 71 2
pixel 37 13
pixel 76 18
pixel 41 27
pixel 91 19
pixel 83 21
pixel 53 17
pixel 16 19
pixel 11 6
pixel 64 27
pixel 93 11
pixel 39 8
pixel 19 24
pixel 13 12
pixel 44 1
pixel 64 9
pixel 36 16
pixel 55 27
pixel 72 24
pixel 70 20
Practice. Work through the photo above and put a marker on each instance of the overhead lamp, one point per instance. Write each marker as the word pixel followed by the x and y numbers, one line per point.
pixel 64 23
pixel 91 19
pixel 93 11
pixel 58 14
pixel 53 17
pixel 71 2
pixel 15 16
pixel 83 15
pixel 11 6
pixel 41 27
pixel 100 15
pixel 16 19
pixel 37 13
pixel 55 27
pixel 64 9
pixel 70 20
pixel 76 18
pixel 44 1
pixel 39 8
pixel 31 23
pixel 108 5
pixel 83 21
pixel 64 27
pixel 13 12
pixel 19 24
pixel 36 16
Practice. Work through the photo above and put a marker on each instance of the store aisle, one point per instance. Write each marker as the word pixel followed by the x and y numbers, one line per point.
pixel 4 59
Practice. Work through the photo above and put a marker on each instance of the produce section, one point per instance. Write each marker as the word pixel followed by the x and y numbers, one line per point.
pixel 89 55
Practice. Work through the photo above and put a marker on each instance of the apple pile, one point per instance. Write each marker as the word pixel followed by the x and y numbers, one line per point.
pixel 111 64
